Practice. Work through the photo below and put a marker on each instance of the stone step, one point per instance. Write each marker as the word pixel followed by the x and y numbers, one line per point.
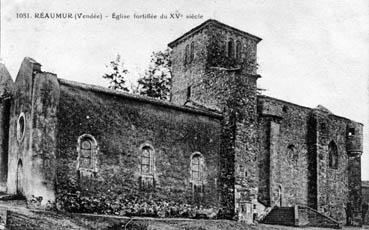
pixel 280 215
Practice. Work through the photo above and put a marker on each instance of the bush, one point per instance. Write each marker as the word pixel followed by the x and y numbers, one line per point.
pixel 121 206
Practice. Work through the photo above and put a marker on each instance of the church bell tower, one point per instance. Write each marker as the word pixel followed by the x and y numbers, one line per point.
pixel 214 67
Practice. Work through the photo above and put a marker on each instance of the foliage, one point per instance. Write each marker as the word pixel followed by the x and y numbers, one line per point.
pixel 72 196
pixel 123 205
pixel 157 78
pixel 117 74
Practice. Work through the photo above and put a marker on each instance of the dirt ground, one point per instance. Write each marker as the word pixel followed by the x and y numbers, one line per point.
pixel 22 218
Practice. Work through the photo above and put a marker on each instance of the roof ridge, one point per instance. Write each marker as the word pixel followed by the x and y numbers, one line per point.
pixel 101 89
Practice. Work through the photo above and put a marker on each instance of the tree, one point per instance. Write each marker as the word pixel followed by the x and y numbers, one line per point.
pixel 117 75
pixel 157 78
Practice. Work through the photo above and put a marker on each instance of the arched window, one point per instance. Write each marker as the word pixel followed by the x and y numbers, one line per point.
pixel 192 51
pixel 87 151
pixel 279 198
pixel 292 153
pixel 147 160
pixel 197 177
pixel 186 55
pixel 238 50
pixel 197 168
pixel 147 168
pixel 333 155
pixel 230 48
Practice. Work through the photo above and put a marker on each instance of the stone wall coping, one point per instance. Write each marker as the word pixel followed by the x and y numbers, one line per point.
pixel 213 22
pixel 140 98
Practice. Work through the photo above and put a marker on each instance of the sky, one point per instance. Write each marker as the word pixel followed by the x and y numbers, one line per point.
pixel 313 52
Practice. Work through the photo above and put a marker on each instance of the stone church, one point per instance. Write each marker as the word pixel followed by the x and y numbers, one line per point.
pixel 218 144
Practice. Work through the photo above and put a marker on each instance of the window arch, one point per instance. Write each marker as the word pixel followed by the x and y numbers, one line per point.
pixel 197 168
pixel 238 50
pixel 230 48
pixel 197 177
pixel 333 155
pixel 87 150
pixel 147 160
pixel 147 167
pixel 192 51
pixel 279 197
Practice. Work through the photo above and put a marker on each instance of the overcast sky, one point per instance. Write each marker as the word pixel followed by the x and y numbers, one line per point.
pixel 313 52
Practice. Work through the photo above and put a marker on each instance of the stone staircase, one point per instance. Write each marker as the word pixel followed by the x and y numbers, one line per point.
pixel 299 216
pixel 280 216
pixel 309 217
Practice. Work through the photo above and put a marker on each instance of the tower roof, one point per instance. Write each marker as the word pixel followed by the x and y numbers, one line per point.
pixel 212 22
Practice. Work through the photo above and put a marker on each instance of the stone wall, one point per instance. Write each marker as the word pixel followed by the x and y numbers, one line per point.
pixel 354 148
pixel 210 51
pixel 6 90
pixel 334 189
pixel 218 80
pixel 294 161
pixel 186 74
pixel 31 169
pixel 365 202
pixel 282 132
pixel 263 162
pixel 121 124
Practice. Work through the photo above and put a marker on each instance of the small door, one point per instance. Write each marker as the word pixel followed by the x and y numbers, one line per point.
pixel 279 196
pixel 245 212
pixel 20 178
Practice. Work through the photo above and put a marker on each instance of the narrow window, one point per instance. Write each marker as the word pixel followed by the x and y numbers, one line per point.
pixel 197 177
pixel 243 209
pixel 192 51
pixel 188 93
pixel 230 48
pixel 333 155
pixel 279 201
pixel 285 108
pixel 146 160
pixel 86 153
pixel 292 153
pixel 87 150
pixel 196 168
pixel 238 50
pixel 147 182
pixel 241 170
pixel 351 132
